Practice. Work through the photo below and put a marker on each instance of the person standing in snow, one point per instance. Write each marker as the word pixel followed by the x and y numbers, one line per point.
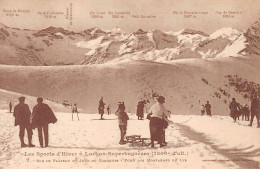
pixel 140 110
pixel 75 110
pixel 122 121
pixel 42 117
pixel 255 110
pixel 202 111
pixel 108 110
pixel 246 112
pixel 10 107
pixel 208 108
pixel 156 116
pixel 22 116
pixel 234 109
pixel 101 108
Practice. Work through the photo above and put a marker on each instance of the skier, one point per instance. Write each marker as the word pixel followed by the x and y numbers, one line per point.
pixel 255 110
pixel 202 110
pixel 101 108
pixel 156 116
pixel 122 121
pixel 234 109
pixel 208 108
pixel 10 107
pixel 140 110
pixel 42 116
pixel 75 110
pixel 22 116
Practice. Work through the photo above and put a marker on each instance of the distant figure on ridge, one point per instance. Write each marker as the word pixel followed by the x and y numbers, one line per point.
pixel 208 108
pixel 22 116
pixel 42 117
pixel 101 108
pixel 75 110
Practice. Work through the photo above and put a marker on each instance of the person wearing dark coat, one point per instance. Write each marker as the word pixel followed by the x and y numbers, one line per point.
pixel 246 113
pixel 101 107
pixel 22 116
pixel 208 108
pixel 42 116
pixel 255 110
pixel 234 109
pixel 140 110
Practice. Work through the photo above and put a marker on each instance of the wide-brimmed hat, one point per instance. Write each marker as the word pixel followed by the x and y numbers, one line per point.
pixel 21 98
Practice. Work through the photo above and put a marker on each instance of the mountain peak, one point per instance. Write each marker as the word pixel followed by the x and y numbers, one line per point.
pixel 140 31
pixel 192 32
pixel 186 32
pixel 116 30
pixel 226 32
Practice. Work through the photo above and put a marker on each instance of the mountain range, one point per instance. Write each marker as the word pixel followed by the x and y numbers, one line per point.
pixel 58 46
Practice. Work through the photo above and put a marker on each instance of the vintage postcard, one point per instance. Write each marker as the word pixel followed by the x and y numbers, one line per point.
pixel 129 84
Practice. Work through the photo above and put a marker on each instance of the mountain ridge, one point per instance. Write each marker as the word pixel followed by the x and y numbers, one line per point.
pixel 58 46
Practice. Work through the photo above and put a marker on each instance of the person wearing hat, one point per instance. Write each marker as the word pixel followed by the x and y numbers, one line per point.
pixel 157 115
pixel 42 116
pixel 255 110
pixel 22 116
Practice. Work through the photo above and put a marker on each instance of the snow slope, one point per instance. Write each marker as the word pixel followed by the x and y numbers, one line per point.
pixel 180 81
pixel 218 145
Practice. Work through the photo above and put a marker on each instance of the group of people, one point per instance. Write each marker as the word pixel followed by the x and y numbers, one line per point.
pixel 236 110
pixel 158 116
pixel 41 116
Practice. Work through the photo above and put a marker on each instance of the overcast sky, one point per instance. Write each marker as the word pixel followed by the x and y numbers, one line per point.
pixel 163 10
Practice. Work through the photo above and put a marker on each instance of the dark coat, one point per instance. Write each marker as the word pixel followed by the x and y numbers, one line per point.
pixel 140 110
pixel 233 106
pixel 22 114
pixel 255 106
pixel 42 115
pixel 207 107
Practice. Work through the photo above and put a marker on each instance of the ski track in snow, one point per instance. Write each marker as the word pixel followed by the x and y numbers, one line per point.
pixel 91 134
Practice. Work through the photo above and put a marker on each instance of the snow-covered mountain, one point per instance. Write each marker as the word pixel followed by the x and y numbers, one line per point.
pixel 57 46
